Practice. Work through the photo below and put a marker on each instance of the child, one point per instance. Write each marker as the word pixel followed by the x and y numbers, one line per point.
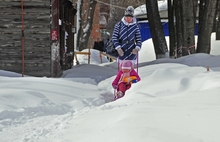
pixel 124 78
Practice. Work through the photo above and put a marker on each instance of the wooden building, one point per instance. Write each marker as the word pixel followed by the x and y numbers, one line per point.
pixel 32 40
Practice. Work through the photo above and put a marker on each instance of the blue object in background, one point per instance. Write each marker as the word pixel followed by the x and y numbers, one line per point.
pixel 145 29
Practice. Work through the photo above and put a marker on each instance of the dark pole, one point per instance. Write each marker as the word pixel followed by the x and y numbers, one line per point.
pixel 22 35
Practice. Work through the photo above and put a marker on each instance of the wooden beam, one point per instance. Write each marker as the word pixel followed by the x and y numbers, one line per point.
pixel 86 53
pixel 107 55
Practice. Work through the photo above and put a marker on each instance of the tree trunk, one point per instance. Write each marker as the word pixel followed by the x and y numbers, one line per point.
pixel 80 30
pixel 88 27
pixel 206 19
pixel 178 50
pixel 156 28
pixel 172 39
pixel 195 5
pixel 188 27
pixel 218 22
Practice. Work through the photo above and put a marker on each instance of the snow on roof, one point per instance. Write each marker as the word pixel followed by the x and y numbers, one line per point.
pixel 141 10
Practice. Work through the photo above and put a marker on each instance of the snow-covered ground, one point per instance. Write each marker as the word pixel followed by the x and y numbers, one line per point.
pixel 177 100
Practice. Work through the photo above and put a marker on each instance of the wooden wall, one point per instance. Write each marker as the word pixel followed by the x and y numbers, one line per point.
pixel 36 35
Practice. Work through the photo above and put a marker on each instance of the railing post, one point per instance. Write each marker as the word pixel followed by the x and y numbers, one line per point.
pixel 100 56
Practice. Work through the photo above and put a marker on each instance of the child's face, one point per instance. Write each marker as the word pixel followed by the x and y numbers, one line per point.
pixel 126 70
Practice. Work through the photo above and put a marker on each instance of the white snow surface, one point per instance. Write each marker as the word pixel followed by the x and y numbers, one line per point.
pixel 177 100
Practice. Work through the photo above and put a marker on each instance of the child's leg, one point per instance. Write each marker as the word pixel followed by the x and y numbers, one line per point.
pixel 128 86
pixel 122 88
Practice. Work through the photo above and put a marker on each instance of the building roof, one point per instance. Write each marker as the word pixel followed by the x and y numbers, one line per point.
pixel 140 12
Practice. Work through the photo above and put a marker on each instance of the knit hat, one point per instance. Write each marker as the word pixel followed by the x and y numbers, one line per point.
pixel 129 11
pixel 126 64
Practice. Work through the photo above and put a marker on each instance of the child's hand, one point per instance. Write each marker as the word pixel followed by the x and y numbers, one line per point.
pixel 115 86
pixel 129 79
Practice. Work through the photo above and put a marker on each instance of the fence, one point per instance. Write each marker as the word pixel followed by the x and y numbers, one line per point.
pixel 112 58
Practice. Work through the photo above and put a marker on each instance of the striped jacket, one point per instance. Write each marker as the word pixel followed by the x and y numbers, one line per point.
pixel 127 36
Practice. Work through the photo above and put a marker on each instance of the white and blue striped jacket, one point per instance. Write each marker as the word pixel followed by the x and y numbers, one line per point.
pixel 127 36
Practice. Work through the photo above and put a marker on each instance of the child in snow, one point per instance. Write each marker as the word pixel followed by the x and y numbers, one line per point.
pixel 124 78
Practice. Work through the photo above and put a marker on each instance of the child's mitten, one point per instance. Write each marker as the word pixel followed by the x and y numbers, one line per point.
pixel 115 86
pixel 134 81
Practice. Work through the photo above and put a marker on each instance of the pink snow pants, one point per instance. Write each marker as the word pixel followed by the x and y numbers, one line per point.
pixel 123 87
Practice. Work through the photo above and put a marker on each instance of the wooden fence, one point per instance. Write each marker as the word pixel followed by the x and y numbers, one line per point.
pixel 112 58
